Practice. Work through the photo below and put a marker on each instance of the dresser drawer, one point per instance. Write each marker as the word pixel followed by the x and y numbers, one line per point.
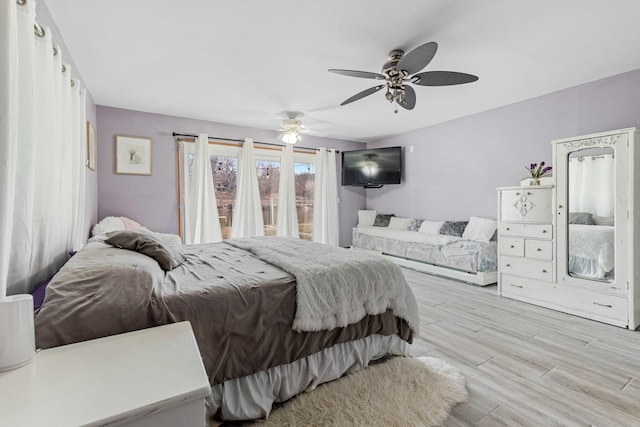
pixel 526 204
pixel 512 246
pixel 539 249
pixel 582 302
pixel 534 269
pixel 540 231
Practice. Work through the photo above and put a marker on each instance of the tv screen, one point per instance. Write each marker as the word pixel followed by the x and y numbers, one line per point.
pixel 371 168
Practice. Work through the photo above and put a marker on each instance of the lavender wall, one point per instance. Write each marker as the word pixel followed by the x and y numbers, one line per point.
pixel 456 166
pixel 153 200
pixel 91 192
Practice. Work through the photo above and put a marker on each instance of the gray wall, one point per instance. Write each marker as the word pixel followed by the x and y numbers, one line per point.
pixel 456 166
pixel 43 16
pixel 153 200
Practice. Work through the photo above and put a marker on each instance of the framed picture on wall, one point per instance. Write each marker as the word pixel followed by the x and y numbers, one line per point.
pixel 133 155
pixel 91 146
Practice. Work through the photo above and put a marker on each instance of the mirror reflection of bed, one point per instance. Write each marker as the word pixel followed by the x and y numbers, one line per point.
pixel 591 204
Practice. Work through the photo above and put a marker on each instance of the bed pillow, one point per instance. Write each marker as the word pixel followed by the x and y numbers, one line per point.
pixel 584 218
pixel 366 217
pixel 382 220
pixel 481 229
pixel 431 227
pixel 415 224
pixel 603 220
pixel 397 223
pixel 146 244
pixel 453 228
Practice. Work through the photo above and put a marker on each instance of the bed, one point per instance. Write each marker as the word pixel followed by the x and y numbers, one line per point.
pixel 265 333
pixel 591 250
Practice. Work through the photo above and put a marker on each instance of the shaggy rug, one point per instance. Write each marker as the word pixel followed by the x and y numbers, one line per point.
pixel 400 391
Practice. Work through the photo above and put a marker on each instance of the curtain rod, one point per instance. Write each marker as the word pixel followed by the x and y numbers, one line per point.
pixel 187 135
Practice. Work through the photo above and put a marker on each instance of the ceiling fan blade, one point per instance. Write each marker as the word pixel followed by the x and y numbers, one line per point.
pixel 363 94
pixel 409 98
pixel 418 58
pixel 442 78
pixel 361 74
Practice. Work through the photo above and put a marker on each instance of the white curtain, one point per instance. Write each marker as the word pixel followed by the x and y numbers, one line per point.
pixel 325 198
pixel 592 185
pixel 247 215
pixel 42 153
pixel 204 224
pixel 287 224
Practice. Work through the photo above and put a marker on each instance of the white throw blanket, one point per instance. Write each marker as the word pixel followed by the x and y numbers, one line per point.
pixel 335 286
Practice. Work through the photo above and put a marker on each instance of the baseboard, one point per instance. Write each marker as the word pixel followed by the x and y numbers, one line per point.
pixel 473 277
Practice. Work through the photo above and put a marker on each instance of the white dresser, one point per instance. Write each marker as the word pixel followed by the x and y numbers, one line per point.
pixel 526 255
pixel 148 378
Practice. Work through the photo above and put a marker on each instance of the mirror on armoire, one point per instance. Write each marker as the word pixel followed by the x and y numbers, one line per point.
pixel 591 219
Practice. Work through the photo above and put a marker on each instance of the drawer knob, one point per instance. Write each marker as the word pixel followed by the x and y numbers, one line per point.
pixel 512 246
pixel 539 250
pixel 528 193
pixel 544 231
pixel 518 286
pixel 544 271
pixel 508 229
pixel 517 194
pixel 603 305
pixel 507 265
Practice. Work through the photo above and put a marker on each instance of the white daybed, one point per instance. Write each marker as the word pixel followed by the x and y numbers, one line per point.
pixel 470 257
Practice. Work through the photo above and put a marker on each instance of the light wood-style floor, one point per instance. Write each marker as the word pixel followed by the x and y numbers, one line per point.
pixel 527 365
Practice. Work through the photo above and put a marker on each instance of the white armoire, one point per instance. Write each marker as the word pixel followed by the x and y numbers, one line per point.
pixel 573 246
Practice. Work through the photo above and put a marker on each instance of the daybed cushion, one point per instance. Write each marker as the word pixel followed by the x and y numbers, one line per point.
pixel 382 220
pixel 366 217
pixel 453 228
pixel 148 244
pixel 397 223
pixel 445 250
pixel 431 227
pixel 481 229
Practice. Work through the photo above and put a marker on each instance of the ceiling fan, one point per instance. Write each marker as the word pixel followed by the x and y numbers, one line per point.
pixel 401 69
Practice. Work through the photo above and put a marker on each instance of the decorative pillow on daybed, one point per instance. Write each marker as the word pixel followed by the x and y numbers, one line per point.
pixel 397 223
pixel 366 217
pixel 382 220
pixel 453 228
pixel 431 227
pixel 415 224
pixel 481 229
pixel 148 244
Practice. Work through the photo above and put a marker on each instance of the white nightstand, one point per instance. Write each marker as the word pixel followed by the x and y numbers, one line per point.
pixel 153 377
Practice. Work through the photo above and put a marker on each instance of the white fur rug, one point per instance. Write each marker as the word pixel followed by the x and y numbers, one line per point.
pixel 401 391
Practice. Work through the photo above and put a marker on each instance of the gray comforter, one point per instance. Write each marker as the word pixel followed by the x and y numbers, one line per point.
pixel 241 308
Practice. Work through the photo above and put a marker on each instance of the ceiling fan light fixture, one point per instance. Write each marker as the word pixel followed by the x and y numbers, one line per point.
pixel 293 129
pixel 291 136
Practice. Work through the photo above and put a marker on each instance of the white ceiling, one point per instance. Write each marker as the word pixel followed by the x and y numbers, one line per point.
pixel 245 62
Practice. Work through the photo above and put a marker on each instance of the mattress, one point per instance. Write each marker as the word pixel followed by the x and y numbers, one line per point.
pixel 449 251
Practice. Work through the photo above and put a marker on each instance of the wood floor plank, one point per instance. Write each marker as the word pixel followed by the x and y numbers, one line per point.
pixel 527 365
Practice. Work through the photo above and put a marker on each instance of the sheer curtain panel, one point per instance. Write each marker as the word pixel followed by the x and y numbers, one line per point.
pixel 43 147
pixel 202 208
pixel 247 215
pixel 287 223
pixel 591 179
pixel 325 198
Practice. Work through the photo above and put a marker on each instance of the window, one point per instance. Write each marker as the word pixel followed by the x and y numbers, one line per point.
pixel 224 167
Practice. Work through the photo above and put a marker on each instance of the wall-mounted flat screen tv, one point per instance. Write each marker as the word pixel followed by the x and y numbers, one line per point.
pixel 372 168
